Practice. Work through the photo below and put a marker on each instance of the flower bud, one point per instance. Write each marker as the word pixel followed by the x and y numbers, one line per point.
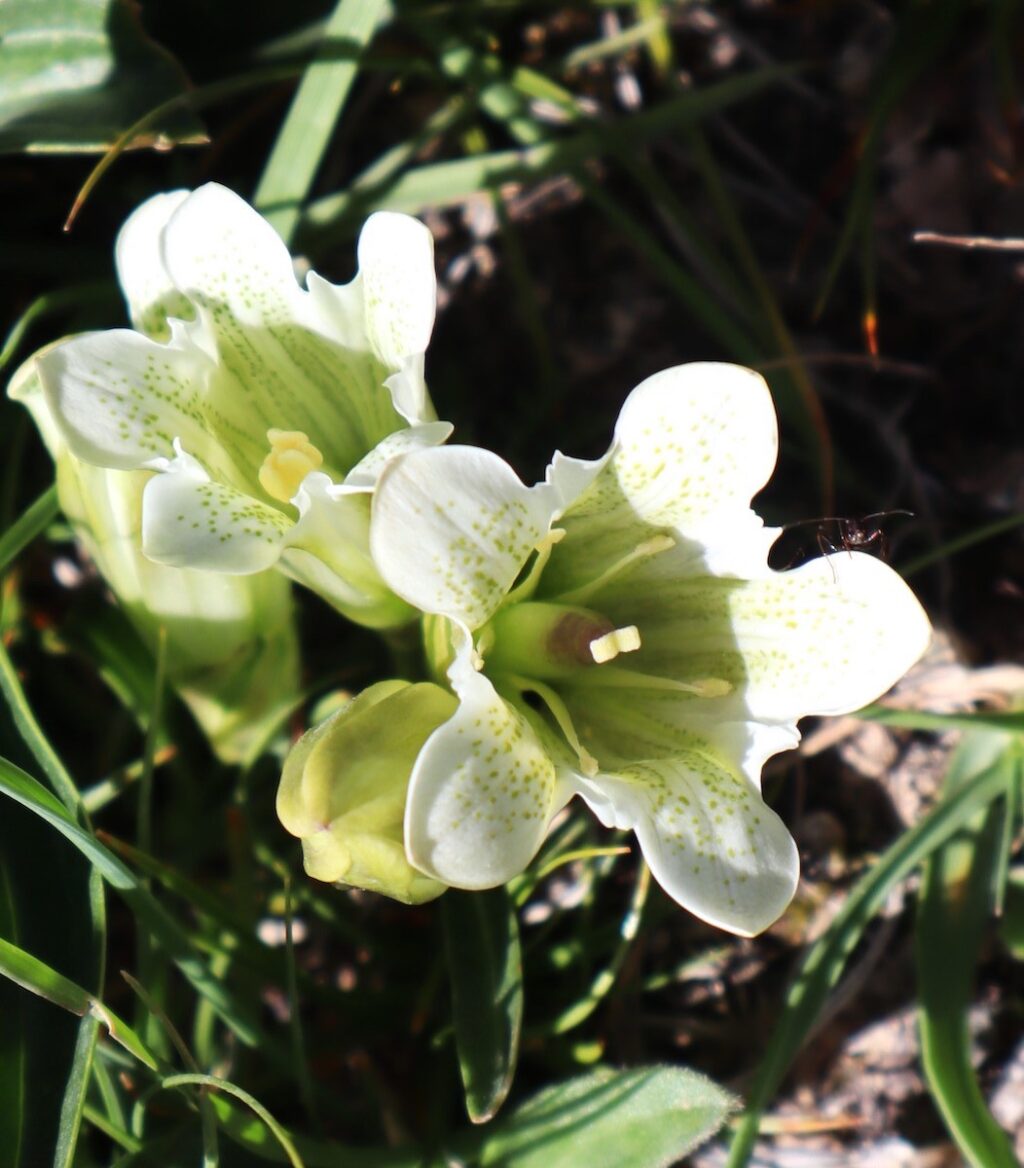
pixel 343 790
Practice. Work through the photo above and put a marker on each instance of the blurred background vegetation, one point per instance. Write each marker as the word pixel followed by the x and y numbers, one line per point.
pixel 828 192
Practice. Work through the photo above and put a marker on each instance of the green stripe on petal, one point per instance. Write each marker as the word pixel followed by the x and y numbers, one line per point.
pixel 297 360
pixel 483 790
pixel 188 520
pixel 710 840
pixel 825 638
pixel 452 528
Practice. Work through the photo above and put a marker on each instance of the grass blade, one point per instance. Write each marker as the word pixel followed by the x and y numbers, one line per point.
pixel 75 1092
pixel 39 978
pixel 314 112
pixel 149 912
pixel 32 522
pixel 955 910
pixel 825 960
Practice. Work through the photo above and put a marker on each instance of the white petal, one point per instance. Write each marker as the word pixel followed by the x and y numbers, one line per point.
pixel 223 255
pixel 121 399
pixel 825 638
pixel 396 268
pixel 328 550
pixel 692 445
pixel 711 842
pixel 452 527
pixel 483 789
pixel 189 521
pixel 147 286
pixel 853 629
pixel 288 364
pixel 695 442
pixel 367 471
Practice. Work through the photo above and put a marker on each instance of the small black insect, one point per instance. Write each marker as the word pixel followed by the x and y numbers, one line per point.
pixel 837 533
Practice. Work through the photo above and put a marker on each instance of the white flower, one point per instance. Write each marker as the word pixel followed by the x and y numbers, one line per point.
pixel 640 654
pixel 231 646
pixel 268 409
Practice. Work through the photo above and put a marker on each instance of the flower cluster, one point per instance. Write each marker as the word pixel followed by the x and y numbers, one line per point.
pixel 613 632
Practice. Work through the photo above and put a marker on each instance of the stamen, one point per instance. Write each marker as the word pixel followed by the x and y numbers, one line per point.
pixel 558 710
pixel 608 647
pixel 528 586
pixel 650 547
pixel 616 678
pixel 292 456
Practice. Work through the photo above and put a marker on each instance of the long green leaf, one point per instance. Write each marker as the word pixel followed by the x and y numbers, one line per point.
pixel 955 908
pixel 31 794
pixel 314 112
pixel 927 720
pixel 32 522
pixel 447 182
pixel 38 977
pixel 73 1104
pixel 33 736
pixel 486 970
pixel 824 962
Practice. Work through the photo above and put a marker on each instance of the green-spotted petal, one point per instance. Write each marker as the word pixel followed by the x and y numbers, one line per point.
pixel 710 840
pixel 223 255
pixel 825 638
pixel 190 521
pixel 145 281
pixel 366 472
pixel 328 550
pixel 692 445
pixel 695 443
pixel 452 527
pixel 483 790
pixel 121 399
pixel 283 361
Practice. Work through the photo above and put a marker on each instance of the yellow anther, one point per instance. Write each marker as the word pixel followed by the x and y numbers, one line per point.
pixel 292 456
pixel 608 647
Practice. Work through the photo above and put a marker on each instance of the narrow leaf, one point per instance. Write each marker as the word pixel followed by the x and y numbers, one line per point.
pixel 315 109
pixel 955 909
pixel 39 978
pixel 486 970
pixel 825 961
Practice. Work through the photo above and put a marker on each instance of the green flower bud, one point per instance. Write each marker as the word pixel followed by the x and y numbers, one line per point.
pixel 344 786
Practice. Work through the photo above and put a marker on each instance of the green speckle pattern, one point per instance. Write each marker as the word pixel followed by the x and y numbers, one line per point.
pixel 481 802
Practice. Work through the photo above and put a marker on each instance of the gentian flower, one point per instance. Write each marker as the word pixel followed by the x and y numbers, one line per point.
pixel 268 410
pixel 231 646
pixel 615 633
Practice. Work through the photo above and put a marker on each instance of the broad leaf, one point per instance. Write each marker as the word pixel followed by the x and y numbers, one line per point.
pixel 646 1117
pixel 75 74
